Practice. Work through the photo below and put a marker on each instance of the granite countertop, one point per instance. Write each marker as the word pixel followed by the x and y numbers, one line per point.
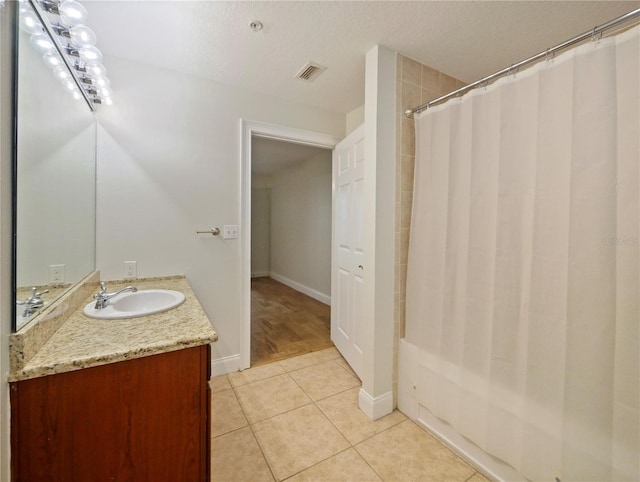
pixel 83 342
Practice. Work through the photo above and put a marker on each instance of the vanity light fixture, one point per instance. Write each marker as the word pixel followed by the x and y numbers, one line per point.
pixel 42 43
pixel 69 43
pixel 71 12
pixel 52 59
pixel 29 22
pixel 82 36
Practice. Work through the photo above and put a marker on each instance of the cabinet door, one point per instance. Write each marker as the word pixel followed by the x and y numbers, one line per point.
pixel 139 420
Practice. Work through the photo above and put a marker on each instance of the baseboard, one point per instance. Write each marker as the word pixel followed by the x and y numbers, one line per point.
pixel 375 407
pixel 260 274
pixel 315 294
pixel 224 365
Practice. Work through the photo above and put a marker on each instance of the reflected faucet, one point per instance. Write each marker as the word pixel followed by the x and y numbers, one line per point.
pixel 33 303
pixel 102 296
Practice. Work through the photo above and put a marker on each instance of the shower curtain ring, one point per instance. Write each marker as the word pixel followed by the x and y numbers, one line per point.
pixel 595 35
pixel 549 55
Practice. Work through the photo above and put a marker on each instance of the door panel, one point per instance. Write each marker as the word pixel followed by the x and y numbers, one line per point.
pixel 348 248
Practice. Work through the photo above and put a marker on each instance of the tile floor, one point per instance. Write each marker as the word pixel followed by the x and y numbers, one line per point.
pixel 298 420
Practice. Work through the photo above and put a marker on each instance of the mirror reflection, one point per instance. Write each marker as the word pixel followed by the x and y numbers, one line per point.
pixel 55 168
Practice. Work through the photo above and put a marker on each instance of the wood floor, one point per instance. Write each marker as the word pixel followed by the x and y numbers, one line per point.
pixel 285 322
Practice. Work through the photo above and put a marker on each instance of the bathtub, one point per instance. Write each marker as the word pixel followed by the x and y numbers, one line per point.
pixel 412 401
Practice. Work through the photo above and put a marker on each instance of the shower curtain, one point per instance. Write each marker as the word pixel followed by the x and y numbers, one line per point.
pixel 524 259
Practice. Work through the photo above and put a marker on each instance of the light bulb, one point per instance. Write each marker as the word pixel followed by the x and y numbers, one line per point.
pixel 72 13
pixel 52 59
pixel 76 94
pixel 90 54
pixel 61 73
pixel 101 81
pixel 42 43
pixel 104 91
pixel 69 84
pixel 29 22
pixel 95 69
pixel 108 101
pixel 82 36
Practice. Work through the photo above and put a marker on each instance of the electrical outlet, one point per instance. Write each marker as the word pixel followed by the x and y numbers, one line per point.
pixel 230 231
pixel 130 269
pixel 56 274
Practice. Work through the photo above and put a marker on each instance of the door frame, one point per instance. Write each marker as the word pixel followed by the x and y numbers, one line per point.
pixel 249 129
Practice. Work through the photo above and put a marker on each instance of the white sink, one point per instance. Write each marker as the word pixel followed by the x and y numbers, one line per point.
pixel 133 305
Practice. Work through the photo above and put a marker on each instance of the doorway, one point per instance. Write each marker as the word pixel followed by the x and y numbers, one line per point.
pixel 291 202
pixel 285 322
pixel 295 138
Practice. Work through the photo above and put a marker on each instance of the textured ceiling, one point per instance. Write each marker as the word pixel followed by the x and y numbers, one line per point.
pixel 467 40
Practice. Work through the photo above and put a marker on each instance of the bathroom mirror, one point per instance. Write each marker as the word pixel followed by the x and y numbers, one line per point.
pixel 55 169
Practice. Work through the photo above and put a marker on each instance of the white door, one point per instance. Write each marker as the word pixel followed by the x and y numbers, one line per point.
pixel 347 270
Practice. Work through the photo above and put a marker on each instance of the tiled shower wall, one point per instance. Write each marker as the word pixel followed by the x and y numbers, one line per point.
pixel 415 85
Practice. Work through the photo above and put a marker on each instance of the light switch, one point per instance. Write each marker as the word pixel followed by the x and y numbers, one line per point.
pixel 230 231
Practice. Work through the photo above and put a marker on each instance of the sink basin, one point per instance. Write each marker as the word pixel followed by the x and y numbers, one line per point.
pixel 133 305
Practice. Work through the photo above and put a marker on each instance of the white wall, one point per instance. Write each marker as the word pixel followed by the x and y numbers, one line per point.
pixel 168 165
pixel 56 176
pixel 376 395
pixel 301 225
pixel 6 301
pixel 354 119
pixel 260 224
pixel 260 231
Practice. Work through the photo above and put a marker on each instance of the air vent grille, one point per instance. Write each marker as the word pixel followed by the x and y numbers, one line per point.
pixel 310 72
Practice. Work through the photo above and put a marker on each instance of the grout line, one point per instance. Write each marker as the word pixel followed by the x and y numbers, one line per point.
pixel 479 473
pixel 258 380
pixel 332 424
pixel 252 425
pixel 241 409
pixel 367 462
pixel 316 403
pixel 455 453
pixel 351 445
pixel 338 393
pixel 253 433
pixel 310 402
pixel 264 456
pixel 229 432
pixel 381 431
pixel 471 476
pixel 244 412
pixel 319 462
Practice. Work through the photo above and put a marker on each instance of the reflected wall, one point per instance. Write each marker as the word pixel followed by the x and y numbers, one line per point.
pixel 55 224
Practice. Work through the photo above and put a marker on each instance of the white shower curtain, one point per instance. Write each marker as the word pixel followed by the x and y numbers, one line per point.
pixel 524 259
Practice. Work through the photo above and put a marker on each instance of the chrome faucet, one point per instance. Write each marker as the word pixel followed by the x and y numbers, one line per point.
pixel 102 296
pixel 33 303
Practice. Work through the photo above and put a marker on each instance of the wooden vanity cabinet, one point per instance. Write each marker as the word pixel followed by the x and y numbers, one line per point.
pixel 145 419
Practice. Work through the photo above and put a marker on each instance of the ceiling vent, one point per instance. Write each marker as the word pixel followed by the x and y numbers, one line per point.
pixel 310 72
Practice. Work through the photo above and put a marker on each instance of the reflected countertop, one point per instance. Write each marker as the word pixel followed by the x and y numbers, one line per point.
pixel 83 342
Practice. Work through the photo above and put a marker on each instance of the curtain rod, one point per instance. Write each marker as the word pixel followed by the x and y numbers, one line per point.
pixel 514 68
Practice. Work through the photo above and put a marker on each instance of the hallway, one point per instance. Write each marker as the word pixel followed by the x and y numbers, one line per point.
pixel 285 322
